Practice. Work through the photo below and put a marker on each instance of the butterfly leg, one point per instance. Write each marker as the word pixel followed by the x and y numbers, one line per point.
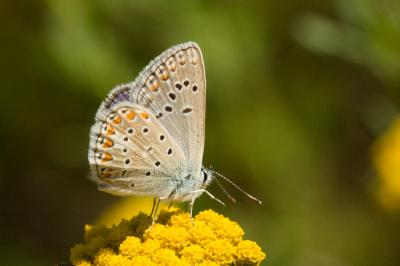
pixel 191 210
pixel 152 208
pixel 155 211
pixel 199 191
pixel 170 204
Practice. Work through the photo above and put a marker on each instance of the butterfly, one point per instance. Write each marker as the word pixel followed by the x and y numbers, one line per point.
pixel 148 135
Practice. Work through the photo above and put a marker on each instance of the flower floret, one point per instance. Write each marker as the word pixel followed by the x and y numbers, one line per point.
pixel 209 239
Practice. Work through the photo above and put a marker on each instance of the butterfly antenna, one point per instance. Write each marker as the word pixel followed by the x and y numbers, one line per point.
pixel 237 187
pixel 226 192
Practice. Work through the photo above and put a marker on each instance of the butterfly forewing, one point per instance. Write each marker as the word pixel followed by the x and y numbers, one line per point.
pixel 173 88
pixel 131 150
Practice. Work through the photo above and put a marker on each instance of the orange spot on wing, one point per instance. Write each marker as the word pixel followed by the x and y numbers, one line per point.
pixel 106 156
pixel 152 83
pixel 144 115
pixel 130 115
pixel 110 130
pixel 106 175
pixel 107 143
pixel 117 119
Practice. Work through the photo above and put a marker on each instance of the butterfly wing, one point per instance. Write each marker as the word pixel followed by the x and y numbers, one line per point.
pixel 173 87
pixel 131 152
pixel 171 92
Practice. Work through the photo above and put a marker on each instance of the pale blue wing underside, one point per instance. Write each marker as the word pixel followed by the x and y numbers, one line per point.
pixel 171 91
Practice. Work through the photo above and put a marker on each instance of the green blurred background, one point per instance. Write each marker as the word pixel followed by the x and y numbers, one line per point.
pixel 297 93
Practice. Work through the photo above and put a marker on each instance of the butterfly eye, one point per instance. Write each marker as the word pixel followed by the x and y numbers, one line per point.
pixel 205 176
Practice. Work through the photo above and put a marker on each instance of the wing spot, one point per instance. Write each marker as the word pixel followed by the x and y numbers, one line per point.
pixel 108 129
pixel 162 73
pixel 162 137
pixel 159 115
pixel 195 88
pixel 157 163
pixel 116 119
pixel 178 86
pixel 132 184
pixel 171 64
pixel 187 110
pixel 152 83
pixel 144 115
pixel 193 56
pixel 148 173
pixel 126 139
pixel 169 151
pixel 180 57
pixel 107 143
pixel 168 109
pixel 123 172
pixel 127 161
pixel 150 149
pixel 186 83
pixel 125 150
pixel 172 96
pixel 145 130
pixel 105 156
pixel 130 115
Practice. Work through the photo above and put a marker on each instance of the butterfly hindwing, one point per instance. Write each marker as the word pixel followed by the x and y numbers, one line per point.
pixel 131 152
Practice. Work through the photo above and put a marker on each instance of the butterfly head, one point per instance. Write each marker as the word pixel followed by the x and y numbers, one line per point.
pixel 207 177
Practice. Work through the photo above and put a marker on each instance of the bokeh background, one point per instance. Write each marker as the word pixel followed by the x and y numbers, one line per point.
pixel 302 104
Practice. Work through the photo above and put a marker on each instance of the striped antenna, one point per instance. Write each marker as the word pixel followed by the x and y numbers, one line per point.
pixel 226 192
pixel 237 187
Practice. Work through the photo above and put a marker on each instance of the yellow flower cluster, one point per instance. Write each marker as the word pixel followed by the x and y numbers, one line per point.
pixel 386 158
pixel 210 239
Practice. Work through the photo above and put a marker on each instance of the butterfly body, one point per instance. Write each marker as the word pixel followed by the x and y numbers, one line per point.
pixel 148 136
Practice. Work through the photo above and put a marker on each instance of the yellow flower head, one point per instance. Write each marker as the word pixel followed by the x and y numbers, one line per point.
pixel 211 239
